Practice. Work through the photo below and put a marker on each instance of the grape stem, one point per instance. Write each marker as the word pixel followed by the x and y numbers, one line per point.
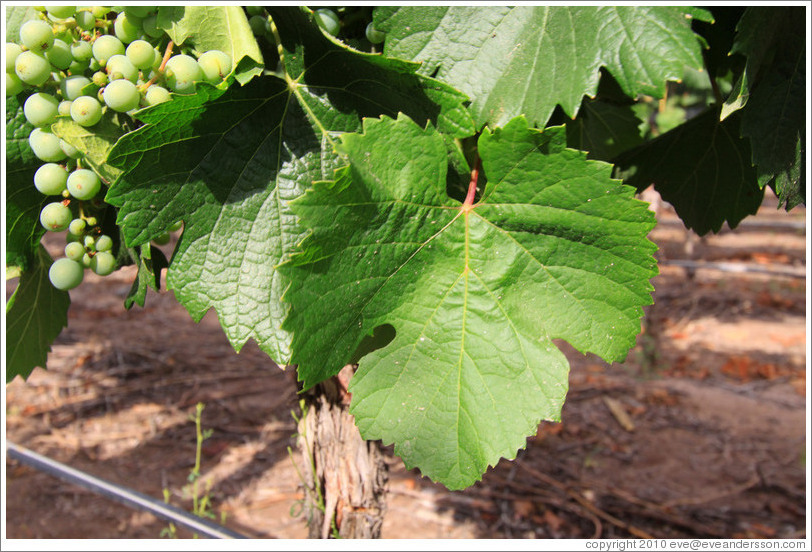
pixel 167 55
pixel 469 199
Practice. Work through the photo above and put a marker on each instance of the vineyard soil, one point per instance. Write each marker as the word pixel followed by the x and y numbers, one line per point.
pixel 700 433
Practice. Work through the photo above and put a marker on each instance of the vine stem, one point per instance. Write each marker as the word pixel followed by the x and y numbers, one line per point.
pixel 469 199
pixel 167 55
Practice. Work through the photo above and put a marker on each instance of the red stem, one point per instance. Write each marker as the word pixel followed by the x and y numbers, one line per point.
pixel 469 199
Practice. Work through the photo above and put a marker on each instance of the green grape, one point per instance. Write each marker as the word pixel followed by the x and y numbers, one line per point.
pixel 41 109
pixel 105 47
pixel 156 94
pixel 95 65
pixel 13 84
pixel 69 150
pixel 32 68
pixel 374 35
pixel 64 108
pixel 86 111
pixel 103 263
pixel 138 12
pixel 71 86
pixel 259 25
pixel 78 67
pixel 66 274
pixel 61 12
pixel 182 72
pixel 254 10
pixel 81 50
pixel 100 11
pixel 83 184
pixel 77 226
pixel 215 65
pixel 328 20
pixel 163 239
pixel 59 54
pixel 90 243
pixel 122 64
pixel 141 54
pixel 86 260
pixel 100 78
pixel 127 28
pixel 74 251
pixel 37 35
pixel 55 217
pixel 12 51
pixel 85 20
pixel 51 179
pixel 104 243
pixel 150 25
pixel 121 95
pixel 45 145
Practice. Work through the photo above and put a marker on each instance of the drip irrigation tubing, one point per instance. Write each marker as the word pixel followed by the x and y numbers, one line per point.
pixel 124 495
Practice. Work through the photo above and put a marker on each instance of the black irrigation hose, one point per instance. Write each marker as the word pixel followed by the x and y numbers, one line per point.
pixel 121 494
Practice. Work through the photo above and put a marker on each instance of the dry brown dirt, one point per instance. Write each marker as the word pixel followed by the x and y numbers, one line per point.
pixel 700 433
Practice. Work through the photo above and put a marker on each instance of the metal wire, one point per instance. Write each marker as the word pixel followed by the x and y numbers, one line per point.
pixel 124 495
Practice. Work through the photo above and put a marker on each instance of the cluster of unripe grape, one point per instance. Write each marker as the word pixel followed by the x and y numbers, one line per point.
pixel 82 62
pixel 331 21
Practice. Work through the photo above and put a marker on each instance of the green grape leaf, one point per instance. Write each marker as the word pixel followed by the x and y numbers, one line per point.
pixel 35 315
pixel 223 28
pixel 555 249
pixel 228 162
pixel 527 59
pixel 702 168
pixel 150 261
pixel 94 142
pixel 23 200
pixel 604 129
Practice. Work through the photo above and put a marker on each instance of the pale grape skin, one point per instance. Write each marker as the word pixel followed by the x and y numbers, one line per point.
pixel 59 54
pixel 81 50
pixel 77 226
pixel 121 95
pixel 85 20
pixel 12 51
pixel 182 72
pixel 74 251
pixel 32 68
pixel 156 94
pixel 69 150
pixel 41 109
pixel 141 54
pixel 61 12
pixel 55 217
pixel 66 274
pixel 13 84
pixel 83 184
pixel 215 65
pixel 328 20
pixel 45 145
pixel 106 46
pixel 72 85
pixel 51 179
pixel 64 108
pixel 127 29
pixel 86 111
pixel 104 243
pixel 259 25
pixel 121 64
pixel 103 263
pixel 374 35
pixel 37 35
pixel 138 12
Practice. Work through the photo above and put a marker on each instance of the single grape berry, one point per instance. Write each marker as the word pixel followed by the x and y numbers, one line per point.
pixel 106 46
pixel 45 145
pixel 104 243
pixel 182 72
pixel 122 64
pixel 51 179
pixel 66 274
pixel 59 54
pixel 138 12
pixel 216 65
pixel 103 263
pixel 254 10
pixel 141 54
pixel 37 35
pixel 81 50
pixel 83 184
pixel 127 28
pixel 374 35
pixel 55 217
pixel 85 20
pixel 74 251
pixel 41 109
pixel 77 226
pixel 259 25
pixel 64 108
pixel 72 86
pixel 328 20
pixel 121 95
pixel 32 68
pixel 12 51
pixel 13 84
pixel 86 111
pixel 61 12
pixel 156 94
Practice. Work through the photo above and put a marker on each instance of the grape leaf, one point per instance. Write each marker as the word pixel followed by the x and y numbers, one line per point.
pixel 223 28
pixel 35 315
pixel 604 129
pixel 94 142
pixel 227 163
pixel 702 168
pixel 150 261
pixel 527 59
pixel 23 201
pixel 554 249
